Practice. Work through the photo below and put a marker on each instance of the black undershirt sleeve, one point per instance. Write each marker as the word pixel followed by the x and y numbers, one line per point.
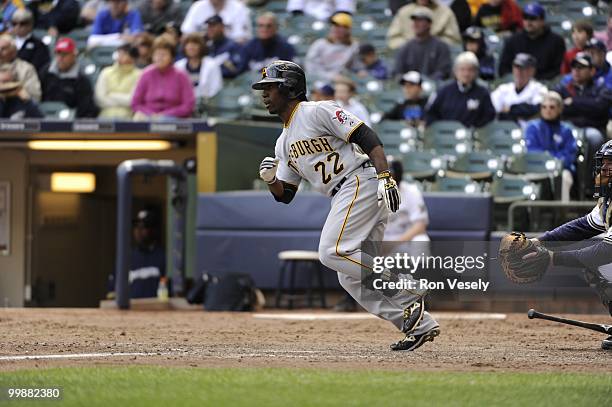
pixel 365 138
pixel 289 191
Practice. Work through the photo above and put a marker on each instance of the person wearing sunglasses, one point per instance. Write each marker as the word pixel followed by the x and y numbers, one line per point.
pixel 29 47
pixel 549 134
pixel 536 39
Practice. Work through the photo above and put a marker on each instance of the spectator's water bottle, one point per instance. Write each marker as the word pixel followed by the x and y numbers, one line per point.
pixel 162 290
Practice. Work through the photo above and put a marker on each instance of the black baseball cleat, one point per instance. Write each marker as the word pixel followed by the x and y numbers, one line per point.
pixel 413 314
pixel 411 341
pixel 606 344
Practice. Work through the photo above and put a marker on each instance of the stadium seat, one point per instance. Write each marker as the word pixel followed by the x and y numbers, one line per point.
pixel 510 188
pixel 534 166
pixel 56 110
pixel 476 165
pixel 501 138
pixel 421 164
pixel 461 184
pixel 102 56
pixel 80 36
pixel 229 103
pixel 395 132
pixel 447 137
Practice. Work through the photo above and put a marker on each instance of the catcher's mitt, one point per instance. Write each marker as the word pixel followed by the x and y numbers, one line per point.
pixel 523 260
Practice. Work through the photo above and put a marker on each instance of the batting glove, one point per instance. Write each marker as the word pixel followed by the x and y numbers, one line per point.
pixel 387 191
pixel 267 170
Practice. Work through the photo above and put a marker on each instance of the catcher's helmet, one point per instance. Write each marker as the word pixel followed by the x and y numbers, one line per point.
pixel 289 76
pixel 602 191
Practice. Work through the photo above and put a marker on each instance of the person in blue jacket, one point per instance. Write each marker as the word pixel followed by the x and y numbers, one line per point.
pixel 226 51
pixel 550 134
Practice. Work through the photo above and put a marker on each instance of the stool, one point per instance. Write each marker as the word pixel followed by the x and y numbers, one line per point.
pixel 291 259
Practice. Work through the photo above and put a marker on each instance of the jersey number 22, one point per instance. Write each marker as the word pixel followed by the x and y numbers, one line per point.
pixel 338 167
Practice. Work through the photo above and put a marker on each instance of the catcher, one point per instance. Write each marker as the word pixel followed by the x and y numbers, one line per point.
pixel 526 261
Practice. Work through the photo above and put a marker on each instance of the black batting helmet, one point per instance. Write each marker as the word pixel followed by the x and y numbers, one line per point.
pixel 289 76
pixel 602 191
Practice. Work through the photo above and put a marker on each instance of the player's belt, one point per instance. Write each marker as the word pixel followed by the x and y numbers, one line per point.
pixel 334 191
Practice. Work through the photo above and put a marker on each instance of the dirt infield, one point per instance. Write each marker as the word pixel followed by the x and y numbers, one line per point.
pixel 202 339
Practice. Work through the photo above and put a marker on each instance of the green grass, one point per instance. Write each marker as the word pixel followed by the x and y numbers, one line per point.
pixel 159 386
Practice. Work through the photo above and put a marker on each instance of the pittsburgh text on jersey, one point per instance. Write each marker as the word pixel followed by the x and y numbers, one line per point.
pixel 310 146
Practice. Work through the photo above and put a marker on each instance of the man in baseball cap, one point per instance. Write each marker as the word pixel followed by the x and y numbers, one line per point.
pixel 596 49
pixel 63 81
pixel 538 40
pixel 519 99
pixel 412 108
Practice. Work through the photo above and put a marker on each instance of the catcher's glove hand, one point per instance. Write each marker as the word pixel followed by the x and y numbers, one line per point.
pixel 523 260
pixel 267 170
pixel 387 191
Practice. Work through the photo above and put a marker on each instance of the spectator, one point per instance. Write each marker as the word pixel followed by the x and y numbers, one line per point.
pixel 116 84
pixel 463 100
pixel 204 71
pixel 519 100
pixel 63 81
pixel 370 64
pixel 321 10
pixel 461 10
pixel 424 53
pixel 30 48
pixel 322 91
pixel 226 51
pixel 551 135
pixel 603 74
pixel 267 46
pixel 501 16
pixel 412 108
pixel 15 102
pixel 26 73
pixel 144 43
pixel 55 16
pixel 536 39
pixel 444 24
pixel 114 25
pixel 582 32
pixel 235 15
pixel 345 93
pixel 605 36
pixel 586 102
pixel 163 92
pixel 158 15
pixel 327 57
pixel 7 8
pixel 90 9
pixel 474 41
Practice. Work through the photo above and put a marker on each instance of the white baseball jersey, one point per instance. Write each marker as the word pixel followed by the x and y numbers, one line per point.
pixel 315 145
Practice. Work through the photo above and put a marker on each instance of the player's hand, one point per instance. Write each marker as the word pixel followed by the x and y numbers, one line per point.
pixel 267 170
pixel 387 191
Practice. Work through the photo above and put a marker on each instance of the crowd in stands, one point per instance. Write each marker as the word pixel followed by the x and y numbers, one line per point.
pixel 168 56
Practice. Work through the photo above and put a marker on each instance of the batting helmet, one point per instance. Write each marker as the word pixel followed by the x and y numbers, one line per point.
pixel 289 76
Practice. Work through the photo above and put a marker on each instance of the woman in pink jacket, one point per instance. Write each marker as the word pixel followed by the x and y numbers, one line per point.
pixel 163 91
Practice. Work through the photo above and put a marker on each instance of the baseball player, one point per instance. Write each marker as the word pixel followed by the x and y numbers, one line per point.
pixel 529 263
pixel 342 158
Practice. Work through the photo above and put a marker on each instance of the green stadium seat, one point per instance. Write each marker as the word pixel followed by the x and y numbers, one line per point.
pixel 422 164
pixel 56 110
pixel 448 137
pixel 457 185
pixel 102 56
pixel 508 189
pixel 535 166
pixel 477 165
pixel 80 36
pixel 501 138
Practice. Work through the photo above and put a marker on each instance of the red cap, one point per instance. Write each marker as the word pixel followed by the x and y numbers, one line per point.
pixel 66 45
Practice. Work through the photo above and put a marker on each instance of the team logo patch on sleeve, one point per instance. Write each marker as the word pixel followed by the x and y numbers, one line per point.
pixel 343 118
